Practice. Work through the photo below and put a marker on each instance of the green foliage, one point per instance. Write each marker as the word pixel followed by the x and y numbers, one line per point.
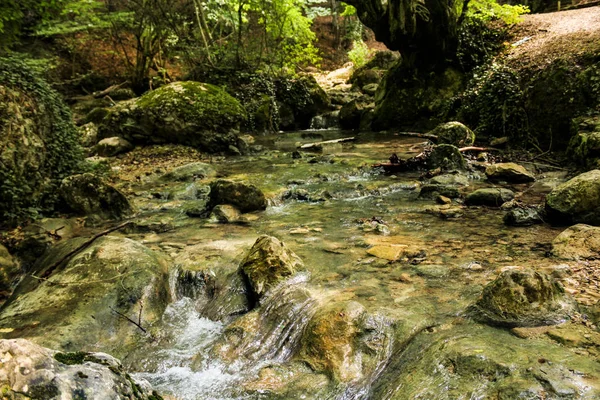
pixel 494 103
pixel 21 16
pixel 478 42
pixel 24 194
pixel 359 55
pixel 489 10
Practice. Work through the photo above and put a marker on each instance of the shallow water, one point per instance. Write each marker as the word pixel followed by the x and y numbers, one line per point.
pixel 444 263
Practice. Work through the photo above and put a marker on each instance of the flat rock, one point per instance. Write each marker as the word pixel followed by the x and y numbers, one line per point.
pixel 508 172
pixel 493 197
pixel 579 242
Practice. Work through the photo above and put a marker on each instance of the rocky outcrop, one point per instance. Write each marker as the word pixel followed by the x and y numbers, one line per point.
pixel 246 198
pixel 523 297
pixel 508 172
pixel 492 197
pixel 454 133
pixel 579 242
pixel 191 113
pixel 77 304
pixel 577 200
pixel 352 113
pixel 29 371
pixel 300 100
pixel 88 195
pixel 38 143
pixel 267 263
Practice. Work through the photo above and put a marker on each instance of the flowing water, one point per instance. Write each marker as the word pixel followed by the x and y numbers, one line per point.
pixel 331 210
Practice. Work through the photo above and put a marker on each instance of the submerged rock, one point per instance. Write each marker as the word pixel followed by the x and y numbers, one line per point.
pixel 75 306
pixel 508 172
pixel 493 197
pixel 226 213
pixel 577 200
pixel 246 198
pixel 523 217
pixel 579 242
pixel 112 146
pixel 523 297
pixel 432 191
pixel 454 133
pixel 191 113
pixel 86 194
pixel 446 157
pixel 29 371
pixel 189 172
pixel 267 263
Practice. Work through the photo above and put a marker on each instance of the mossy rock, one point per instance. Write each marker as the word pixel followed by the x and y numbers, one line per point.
pixel 584 149
pixel 454 133
pixel 492 197
pixel 352 113
pixel 38 140
pixel 576 201
pixel 300 101
pixel 9 271
pixel 191 113
pixel 578 242
pixel 75 307
pixel 267 263
pixel 446 157
pixel 523 297
pixel 246 198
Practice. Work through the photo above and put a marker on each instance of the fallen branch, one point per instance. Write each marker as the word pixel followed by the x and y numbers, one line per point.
pixel 82 246
pixel 417 134
pixel 125 317
pixel 107 91
pixel 473 148
pixel 317 145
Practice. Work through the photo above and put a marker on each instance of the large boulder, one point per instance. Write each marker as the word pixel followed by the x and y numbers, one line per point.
pixel 353 112
pixel 267 263
pixel 299 101
pixel 29 371
pixel 38 143
pixel 523 297
pixel 584 147
pixel 87 194
pixel 508 172
pixel 80 304
pixel 577 200
pixel 492 197
pixel 245 197
pixel 111 147
pixel 454 133
pixel 578 242
pixel 191 113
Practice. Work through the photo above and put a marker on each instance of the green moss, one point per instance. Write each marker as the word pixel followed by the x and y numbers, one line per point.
pixel 29 105
pixel 75 358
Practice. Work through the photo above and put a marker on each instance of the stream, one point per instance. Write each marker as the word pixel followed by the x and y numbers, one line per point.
pixel 364 237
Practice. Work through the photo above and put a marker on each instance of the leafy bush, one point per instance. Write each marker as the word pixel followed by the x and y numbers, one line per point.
pixel 490 10
pixel 359 55
pixel 30 172
pixel 478 42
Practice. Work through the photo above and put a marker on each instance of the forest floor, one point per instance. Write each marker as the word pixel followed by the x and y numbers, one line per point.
pixel 566 35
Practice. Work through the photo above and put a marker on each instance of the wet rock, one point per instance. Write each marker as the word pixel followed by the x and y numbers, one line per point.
pixel 189 173
pixel 190 113
pixel 88 195
pixel 432 191
pixel 192 191
pixel 446 157
pixel 450 179
pixel 9 271
pixel 493 197
pixel 443 200
pixel 196 208
pixel 88 134
pixel 454 133
pixel 522 298
pixel 229 296
pixel 345 342
pixel 523 216
pixel 508 172
pixel 72 308
pixel 267 263
pixel 352 112
pixel 111 147
pixel 246 198
pixel 296 194
pixel 579 242
pixel 577 200
pixel 226 214
pixel 29 371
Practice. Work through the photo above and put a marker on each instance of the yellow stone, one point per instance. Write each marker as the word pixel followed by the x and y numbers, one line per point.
pixel 391 253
